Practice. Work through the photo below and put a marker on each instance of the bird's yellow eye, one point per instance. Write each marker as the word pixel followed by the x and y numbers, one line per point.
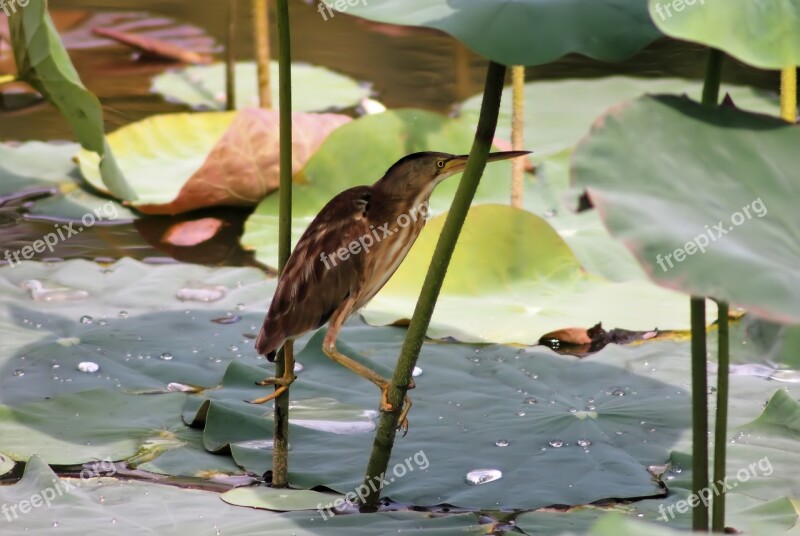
pixel 440 164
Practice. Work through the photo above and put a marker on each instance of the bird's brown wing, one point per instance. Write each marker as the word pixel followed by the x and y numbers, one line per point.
pixel 310 287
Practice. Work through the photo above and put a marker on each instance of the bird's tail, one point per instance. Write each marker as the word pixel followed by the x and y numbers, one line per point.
pixel 265 346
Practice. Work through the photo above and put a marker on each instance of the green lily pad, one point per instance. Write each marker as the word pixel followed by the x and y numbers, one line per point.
pixel 99 505
pixel 527 32
pixel 763 34
pixel 282 500
pixel 559 113
pixel 204 87
pixel 6 464
pixel 36 166
pixel 573 426
pixel 140 336
pixel 744 513
pixel 360 153
pixel 518 289
pixel 75 428
pixel 704 201
pixel 43 62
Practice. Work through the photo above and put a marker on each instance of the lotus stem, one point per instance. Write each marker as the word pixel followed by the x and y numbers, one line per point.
pixel 387 427
pixel 699 359
pixel 789 94
pixel 230 58
pixel 721 423
pixel 280 455
pixel 517 133
pixel 261 29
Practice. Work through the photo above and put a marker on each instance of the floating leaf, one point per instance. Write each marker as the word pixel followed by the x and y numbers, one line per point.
pixel 154 47
pixel 193 232
pixel 35 166
pixel 282 500
pixel 182 162
pixel 100 505
pixel 204 87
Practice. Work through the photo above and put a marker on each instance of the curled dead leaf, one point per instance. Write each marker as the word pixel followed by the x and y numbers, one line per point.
pixel 242 168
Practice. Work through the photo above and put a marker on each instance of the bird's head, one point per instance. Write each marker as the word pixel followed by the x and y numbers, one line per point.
pixel 421 172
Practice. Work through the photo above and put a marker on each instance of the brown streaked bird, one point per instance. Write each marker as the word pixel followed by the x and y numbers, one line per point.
pixel 347 254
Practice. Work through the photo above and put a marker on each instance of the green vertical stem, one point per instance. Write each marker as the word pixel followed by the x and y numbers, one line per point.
pixel 230 58
pixel 280 454
pixel 713 77
pixel 700 480
pixel 699 413
pixel 387 427
pixel 721 423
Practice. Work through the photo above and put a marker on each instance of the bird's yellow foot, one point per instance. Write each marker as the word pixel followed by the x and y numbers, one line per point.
pixel 282 383
pixel 386 406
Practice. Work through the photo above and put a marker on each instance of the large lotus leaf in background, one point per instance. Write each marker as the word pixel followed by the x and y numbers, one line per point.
pixel 107 505
pixel 714 177
pixel 35 166
pixel 182 162
pixel 204 87
pixel 519 288
pixel 546 195
pixel 43 62
pixel 527 32
pixel 559 113
pixel 766 343
pixel 541 404
pixel 763 33
pixel 360 153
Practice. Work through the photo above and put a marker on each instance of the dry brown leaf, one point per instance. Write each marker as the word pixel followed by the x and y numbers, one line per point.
pixel 242 168
pixel 154 47
pixel 191 233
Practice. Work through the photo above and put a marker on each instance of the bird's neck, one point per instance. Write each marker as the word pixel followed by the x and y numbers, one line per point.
pixel 393 200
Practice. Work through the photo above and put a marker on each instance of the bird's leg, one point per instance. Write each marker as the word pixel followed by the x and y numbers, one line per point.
pixel 329 347
pixel 382 383
pixel 283 382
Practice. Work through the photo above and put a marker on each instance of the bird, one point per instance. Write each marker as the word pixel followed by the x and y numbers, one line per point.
pixel 346 255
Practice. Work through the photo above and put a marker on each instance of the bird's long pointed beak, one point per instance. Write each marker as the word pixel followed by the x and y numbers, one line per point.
pixel 458 163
